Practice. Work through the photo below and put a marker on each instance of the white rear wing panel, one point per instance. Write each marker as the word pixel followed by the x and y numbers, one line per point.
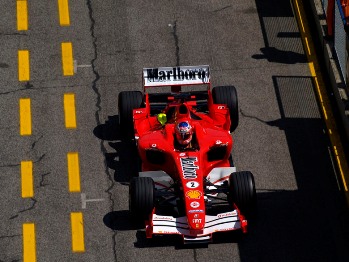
pixel 180 75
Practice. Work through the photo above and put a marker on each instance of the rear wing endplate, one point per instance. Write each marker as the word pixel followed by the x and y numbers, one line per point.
pixel 180 75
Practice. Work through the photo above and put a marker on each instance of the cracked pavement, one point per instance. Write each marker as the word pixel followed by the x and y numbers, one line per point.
pixel 115 40
pixel 98 117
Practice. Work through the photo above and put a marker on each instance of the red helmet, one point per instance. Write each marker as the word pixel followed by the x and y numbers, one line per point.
pixel 184 132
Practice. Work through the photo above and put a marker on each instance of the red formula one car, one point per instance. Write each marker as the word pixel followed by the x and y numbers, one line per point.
pixel 188 184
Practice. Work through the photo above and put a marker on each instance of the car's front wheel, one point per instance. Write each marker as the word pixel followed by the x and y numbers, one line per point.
pixel 242 192
pixel 141 198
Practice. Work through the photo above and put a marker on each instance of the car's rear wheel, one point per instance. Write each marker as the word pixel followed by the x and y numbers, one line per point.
pixel 242 192
pixel 128 100
pixel 228 95
pixel 141 198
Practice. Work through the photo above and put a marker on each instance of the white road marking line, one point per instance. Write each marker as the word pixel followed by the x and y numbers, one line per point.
pixel 84 200
pixel 75 62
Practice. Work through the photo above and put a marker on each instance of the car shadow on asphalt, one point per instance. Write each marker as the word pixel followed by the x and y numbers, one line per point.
pixel 108 131
pixel 122 156
pixel 121 221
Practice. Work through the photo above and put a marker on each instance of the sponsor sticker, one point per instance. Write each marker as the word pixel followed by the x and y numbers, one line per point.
pixel 192 184
pixel 227 229
pixel 193 194
pixel 226 214
pixel 180 75
pixel 163 218
pixel 196 210
pixel 194 204
pixel 189 167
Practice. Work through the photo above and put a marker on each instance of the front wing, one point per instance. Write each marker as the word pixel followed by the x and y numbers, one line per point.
pixel 222 222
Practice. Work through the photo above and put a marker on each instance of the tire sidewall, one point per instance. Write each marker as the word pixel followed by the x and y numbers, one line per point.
pixel 228 95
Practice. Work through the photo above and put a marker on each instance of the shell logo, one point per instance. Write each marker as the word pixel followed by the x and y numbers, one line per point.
pixel 193 194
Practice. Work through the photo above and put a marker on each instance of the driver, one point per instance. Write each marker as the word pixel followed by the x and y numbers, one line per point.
pixel 184 134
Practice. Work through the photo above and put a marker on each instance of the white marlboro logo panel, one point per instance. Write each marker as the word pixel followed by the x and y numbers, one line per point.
pixel 180 75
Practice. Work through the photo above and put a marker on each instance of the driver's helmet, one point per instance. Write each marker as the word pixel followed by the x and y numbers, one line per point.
pixel 184 132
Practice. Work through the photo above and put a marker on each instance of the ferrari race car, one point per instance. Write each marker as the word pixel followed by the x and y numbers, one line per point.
pixel 187 184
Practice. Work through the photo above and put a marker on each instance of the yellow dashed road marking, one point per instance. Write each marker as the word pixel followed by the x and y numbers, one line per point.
pixel 25 117
pixel 22 15
pixel 77 227
pixel 63 8
pixel 27 179
pixel 29 245
pixel 69 111
pixel 67 59
pixel 23 65
pixel 73 172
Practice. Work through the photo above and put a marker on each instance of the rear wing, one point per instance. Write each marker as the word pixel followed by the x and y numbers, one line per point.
pixel 175 76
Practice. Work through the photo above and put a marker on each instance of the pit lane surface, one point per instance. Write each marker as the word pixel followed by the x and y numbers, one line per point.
pixel 254 45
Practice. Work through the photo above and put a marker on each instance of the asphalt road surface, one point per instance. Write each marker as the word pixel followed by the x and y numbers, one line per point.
pixel 254 45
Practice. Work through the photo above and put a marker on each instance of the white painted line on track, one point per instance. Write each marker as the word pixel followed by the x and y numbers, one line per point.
pixel 84 200
pixel 82 66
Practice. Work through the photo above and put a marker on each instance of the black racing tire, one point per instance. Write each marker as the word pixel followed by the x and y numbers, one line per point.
pixel 141 198
pixel 227 95
pixel 128 100
pixel 242 192
pixel 231 162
